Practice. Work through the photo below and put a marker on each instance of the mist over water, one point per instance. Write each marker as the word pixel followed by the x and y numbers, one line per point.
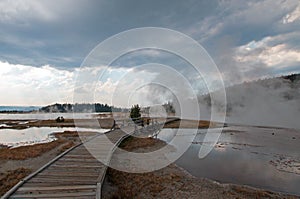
pixel 269 102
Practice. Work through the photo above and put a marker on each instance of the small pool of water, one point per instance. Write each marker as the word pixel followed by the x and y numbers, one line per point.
pixel 265 158
pixel 35 135
pixel 47 116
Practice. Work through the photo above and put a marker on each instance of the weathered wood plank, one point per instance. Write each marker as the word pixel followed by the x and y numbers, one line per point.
pixel 54 184
pixel 63 177
pixel 86 157
pixel 76 191
pixel 65 173
pixel 57 188
pixel 73 169
pixel 60 180
pixel 76 166
pixel 66 162
pixel 54 195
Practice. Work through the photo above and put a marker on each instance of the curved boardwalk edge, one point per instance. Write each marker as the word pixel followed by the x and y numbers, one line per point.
pixel 74 166
pixel 102 177
pixel 19 184
pixel 74 173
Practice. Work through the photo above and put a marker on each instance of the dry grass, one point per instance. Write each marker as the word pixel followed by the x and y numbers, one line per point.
pixel 190 124
pixel 131 143
pixel 104 123
pixel 65 147
pixel 66 134
pixel 256 193
pixel 24 152
pixel 145 182
pixel 11 178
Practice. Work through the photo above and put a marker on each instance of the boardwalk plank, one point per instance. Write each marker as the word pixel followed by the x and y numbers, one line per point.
pixel 74 174
pixel 57 188
pixel 54 184
pixel 65 173
pixel 54 195
pixel 77 191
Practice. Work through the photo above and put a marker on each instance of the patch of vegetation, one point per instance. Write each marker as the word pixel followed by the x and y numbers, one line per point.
pixel 125 142
pixel 253 193
pixel 11 178
pixel 135 113
pixel 130 185
pixel 66 147
pixel 191 124
pixel 131 143
pixel 32 151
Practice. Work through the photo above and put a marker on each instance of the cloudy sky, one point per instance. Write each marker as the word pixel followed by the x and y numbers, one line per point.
pixel 43 43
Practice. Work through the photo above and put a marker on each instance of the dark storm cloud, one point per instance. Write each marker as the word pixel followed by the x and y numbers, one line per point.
pixel 62 33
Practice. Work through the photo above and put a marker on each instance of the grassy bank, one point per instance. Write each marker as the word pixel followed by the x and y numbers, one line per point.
pixel 171 181
pixel 11 178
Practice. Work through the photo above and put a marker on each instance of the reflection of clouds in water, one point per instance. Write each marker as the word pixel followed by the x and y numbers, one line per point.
pixel 46 116
pixel 180 139
pixel 226 164
pixel 186 135
pixel 244 166
pixel 167 134
pixel 34 135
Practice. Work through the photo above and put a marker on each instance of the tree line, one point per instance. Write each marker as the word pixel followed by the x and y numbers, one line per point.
pixel 80 108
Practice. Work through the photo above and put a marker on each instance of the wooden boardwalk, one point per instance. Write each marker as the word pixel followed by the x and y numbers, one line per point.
pixel 74 174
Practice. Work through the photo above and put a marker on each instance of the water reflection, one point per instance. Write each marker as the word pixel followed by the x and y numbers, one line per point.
pixel 46 116
pixel 243 155
pixel 34 135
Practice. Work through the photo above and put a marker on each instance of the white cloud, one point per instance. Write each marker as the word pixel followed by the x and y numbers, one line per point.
pixel 125 89
pixel 236 14
pixel 293 16
pixel 228 35
pixel 273 52
pixel 279 55
pixel 23 85
pixel 29 85
pixel 18 10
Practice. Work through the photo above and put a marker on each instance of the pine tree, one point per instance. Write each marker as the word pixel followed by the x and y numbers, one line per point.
pixel 135 112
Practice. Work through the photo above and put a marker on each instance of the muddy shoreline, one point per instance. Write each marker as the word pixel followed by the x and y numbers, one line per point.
pixel 171 181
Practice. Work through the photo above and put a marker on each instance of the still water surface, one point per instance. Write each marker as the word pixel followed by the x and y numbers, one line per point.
pixel 242 156
pixel 46 116
pixel 34 135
